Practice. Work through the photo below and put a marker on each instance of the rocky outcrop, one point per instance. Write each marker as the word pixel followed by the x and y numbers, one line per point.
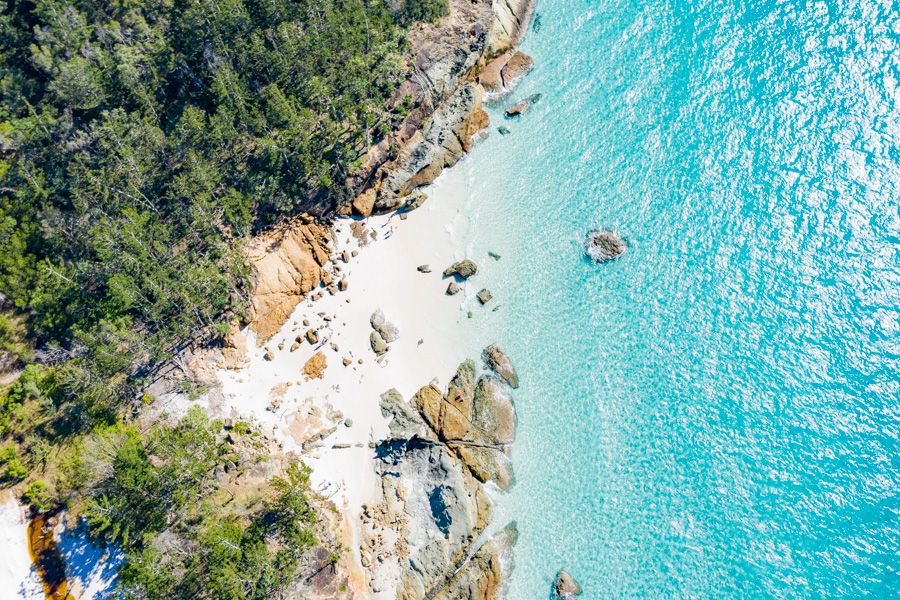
pixel 439 144
pixel 565 587
pixel 419 539
pixel 287 265
pixel 603 245
pixel 446 100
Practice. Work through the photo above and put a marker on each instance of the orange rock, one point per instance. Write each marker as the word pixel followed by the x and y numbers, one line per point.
pixel 315 366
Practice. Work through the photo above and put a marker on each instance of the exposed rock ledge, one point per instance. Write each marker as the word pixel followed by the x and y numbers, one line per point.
pixel 420 539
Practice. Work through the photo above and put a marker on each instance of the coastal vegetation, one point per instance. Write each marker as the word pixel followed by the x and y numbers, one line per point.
pixel 140 145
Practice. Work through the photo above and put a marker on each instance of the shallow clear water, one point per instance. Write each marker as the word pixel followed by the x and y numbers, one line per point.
pixel 715 414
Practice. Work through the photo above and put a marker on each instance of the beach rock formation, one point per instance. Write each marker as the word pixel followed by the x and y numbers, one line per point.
pixel 464 268
pixel 419 539
pixel 314 368
pixel 287 265
pixel 484 296
pixel 603 245
pixel 565 587
pixel 499 363
pixel 453 288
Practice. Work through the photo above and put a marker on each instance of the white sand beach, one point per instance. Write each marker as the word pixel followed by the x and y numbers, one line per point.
pixel 435 335
pixel 18 578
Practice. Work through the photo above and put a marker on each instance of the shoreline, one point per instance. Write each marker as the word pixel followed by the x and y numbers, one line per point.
pixel 333 422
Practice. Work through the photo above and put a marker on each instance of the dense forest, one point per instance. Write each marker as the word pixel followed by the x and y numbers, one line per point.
pixel 140 143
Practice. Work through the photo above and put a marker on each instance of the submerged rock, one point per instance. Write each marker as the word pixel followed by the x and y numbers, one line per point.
pixel 503 130
pixel 523 106
pixel 501 365
pixel 464 268
pixel 603 245
pixel 565 587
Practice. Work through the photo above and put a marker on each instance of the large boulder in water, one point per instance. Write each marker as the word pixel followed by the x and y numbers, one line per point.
pixel 603 245
pixel 565 587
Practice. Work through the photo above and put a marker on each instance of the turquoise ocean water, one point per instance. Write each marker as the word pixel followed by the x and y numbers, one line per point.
pixel 716 414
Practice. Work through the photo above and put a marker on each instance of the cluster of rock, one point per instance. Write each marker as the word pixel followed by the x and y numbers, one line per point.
pixel 383 333
pixel 442 448
pixel 461 271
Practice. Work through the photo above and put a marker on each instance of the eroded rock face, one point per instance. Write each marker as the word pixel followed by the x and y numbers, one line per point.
pixel 604 245
pixel 440 143
pixel 287 264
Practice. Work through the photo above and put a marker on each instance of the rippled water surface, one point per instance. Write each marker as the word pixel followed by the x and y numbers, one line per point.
pixel 715 414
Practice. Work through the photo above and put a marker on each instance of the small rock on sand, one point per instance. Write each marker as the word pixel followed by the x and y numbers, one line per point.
pixel 315 366
pixel 484 296
pixel 312 336
pixel 423 269
pixel 453 288
pixel 379 346
pixel 464 268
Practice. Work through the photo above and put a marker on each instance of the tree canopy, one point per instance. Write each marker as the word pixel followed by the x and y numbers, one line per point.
pixel 141 141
